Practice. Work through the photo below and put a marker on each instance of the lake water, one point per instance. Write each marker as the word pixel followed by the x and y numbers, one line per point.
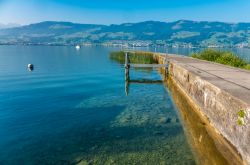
pixel 72 109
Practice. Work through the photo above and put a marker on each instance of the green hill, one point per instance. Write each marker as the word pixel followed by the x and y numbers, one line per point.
pixel 182 31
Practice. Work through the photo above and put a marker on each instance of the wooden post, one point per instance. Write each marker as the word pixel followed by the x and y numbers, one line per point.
pixel 126 67
pixel 126 87
pixel 126 60
pixel 126 74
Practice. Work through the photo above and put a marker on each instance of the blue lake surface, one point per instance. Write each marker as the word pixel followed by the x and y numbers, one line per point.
pixel 72 109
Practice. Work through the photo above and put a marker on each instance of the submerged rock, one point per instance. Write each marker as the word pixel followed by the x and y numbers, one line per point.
pixel 158 133
pixel 169 120
pixel 163 120
pixel 174 120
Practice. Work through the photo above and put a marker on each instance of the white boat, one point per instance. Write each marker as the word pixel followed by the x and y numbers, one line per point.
pixel 78 47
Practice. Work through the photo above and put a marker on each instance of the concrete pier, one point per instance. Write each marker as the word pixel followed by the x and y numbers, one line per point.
pixel 222 94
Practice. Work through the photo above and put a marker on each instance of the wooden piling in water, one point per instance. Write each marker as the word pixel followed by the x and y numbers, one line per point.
pixel 127 67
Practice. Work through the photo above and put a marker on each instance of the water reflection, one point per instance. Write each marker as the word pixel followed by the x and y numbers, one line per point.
pixel 31 69
pixel 139 81
pixel 208 146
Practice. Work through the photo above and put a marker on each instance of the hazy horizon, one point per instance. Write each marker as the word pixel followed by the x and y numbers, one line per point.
pixel 17 25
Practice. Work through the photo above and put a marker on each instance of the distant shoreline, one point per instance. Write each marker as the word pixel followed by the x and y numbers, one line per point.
pixel 124 46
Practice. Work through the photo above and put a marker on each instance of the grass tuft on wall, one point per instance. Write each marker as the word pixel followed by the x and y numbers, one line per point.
pixel 222 57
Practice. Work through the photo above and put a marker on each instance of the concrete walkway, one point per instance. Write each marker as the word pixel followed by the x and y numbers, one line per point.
pixel 232 80
pixel 221 92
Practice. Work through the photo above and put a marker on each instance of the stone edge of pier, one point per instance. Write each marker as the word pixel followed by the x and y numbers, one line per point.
pixel 218 99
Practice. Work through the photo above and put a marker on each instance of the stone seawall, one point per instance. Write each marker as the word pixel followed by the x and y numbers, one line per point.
pixel 222 94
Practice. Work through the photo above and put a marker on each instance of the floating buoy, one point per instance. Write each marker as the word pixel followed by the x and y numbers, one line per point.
pixel 78 47
pixel 30 67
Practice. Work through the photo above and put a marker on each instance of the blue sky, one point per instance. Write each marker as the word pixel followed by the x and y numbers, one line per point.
pixel 120 11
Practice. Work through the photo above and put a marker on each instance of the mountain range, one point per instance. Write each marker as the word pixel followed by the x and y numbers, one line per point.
pixel 183 32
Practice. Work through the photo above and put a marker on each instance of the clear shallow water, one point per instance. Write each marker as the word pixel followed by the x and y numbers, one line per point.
pixel 72 109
